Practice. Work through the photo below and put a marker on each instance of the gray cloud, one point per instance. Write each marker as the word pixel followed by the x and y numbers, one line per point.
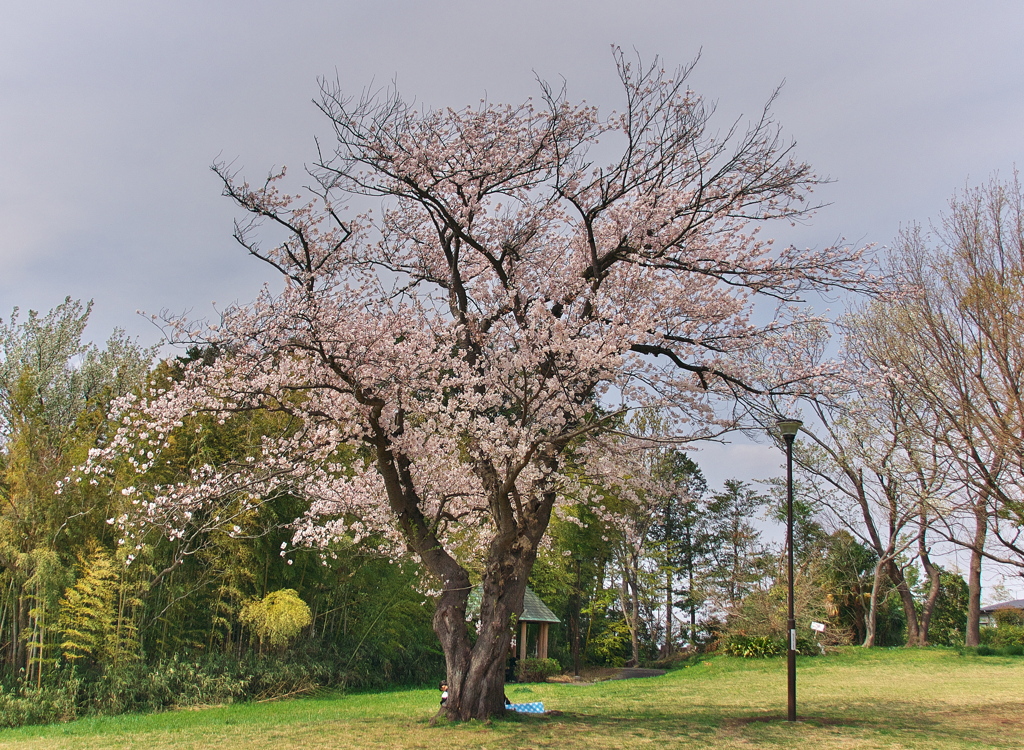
pixel 110 113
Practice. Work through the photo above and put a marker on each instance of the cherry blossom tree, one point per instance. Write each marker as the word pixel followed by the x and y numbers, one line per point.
pixel 457 361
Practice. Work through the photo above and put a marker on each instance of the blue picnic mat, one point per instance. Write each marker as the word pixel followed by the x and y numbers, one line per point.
pixel 528 708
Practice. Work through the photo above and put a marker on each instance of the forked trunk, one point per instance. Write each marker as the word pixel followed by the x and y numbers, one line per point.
pixel 476 668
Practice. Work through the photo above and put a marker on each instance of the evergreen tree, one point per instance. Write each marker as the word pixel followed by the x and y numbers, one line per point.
pixel 682 532
pixel 739 563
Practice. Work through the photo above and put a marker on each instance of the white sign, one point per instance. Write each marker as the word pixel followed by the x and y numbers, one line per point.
pixel 818 627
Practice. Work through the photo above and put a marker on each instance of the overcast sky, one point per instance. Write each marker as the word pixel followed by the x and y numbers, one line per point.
pixel 112 112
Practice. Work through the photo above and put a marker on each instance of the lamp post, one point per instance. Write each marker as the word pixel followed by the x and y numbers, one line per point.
pixel 789 428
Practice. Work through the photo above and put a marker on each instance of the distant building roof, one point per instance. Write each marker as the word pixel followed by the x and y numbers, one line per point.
pixel 1013 604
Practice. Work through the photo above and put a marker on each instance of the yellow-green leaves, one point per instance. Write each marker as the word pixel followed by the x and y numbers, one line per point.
pixel 278 617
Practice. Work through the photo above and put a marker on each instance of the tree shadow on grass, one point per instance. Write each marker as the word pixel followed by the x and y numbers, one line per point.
pixel 814 721
pixel 988 727
pixel 862 721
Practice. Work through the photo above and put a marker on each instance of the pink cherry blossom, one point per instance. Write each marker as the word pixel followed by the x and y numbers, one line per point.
pixel 462 360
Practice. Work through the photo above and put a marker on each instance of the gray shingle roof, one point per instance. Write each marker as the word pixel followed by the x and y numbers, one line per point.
pixel 1013 604
pixel 534 610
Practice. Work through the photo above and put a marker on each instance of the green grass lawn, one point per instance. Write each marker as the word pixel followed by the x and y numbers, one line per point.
pixel 924 698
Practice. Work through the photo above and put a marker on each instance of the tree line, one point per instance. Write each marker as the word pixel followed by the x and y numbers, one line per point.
pixel 640 577
pixel 645 575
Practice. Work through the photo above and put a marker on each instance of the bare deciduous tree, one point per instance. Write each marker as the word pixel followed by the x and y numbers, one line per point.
pixel 955 345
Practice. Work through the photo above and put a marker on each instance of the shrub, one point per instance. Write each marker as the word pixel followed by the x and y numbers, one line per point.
pixel 752 646
pixel 278 617
pixel 213 679
pixel 945 636
pixel 1009 616
pixel 1005 635
pixel 45 705
pixel 986 651
pixel 71 692
pixel 949 618
pixel 762 646
pixel 536 670
pixel 1012 650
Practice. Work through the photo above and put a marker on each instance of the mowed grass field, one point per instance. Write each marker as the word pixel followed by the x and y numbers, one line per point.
pixel 930 699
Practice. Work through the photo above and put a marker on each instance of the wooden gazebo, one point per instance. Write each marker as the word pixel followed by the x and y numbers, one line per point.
pixel 535 611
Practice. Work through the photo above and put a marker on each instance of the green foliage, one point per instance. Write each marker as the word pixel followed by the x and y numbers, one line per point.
pixel 181 682
pixel 278 617
pixel 569 575
pixel 1004 635
pixel 765 613
pixel 763 646
pixel 38 705
pixel 753 646
pixel 54 393
pixel 809 537
pixel 1009 616
pixel 891 626
pixel 847 568
pixel 608 641
pixel 41 589
pixel 83 632
pixel 683 537
pixel 175 683
pixel 52 387
pixel 949 618
pixel 87 611
pixel 739 562
pixel 536 670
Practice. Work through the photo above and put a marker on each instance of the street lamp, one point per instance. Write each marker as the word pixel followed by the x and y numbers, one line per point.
pixel 789 428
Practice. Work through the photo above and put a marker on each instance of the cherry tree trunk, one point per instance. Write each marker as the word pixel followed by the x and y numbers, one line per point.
pixel 476 667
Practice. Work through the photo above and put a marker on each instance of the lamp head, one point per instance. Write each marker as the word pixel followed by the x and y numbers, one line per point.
pixel 789 427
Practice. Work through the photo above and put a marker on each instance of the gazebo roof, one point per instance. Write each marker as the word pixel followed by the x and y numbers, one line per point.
pixel 534 610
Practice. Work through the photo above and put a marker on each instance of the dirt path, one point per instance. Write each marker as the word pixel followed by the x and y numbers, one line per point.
pixel 629 673
pixel 601 674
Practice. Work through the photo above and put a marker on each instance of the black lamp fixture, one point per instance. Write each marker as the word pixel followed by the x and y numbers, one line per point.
pixel 789 428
